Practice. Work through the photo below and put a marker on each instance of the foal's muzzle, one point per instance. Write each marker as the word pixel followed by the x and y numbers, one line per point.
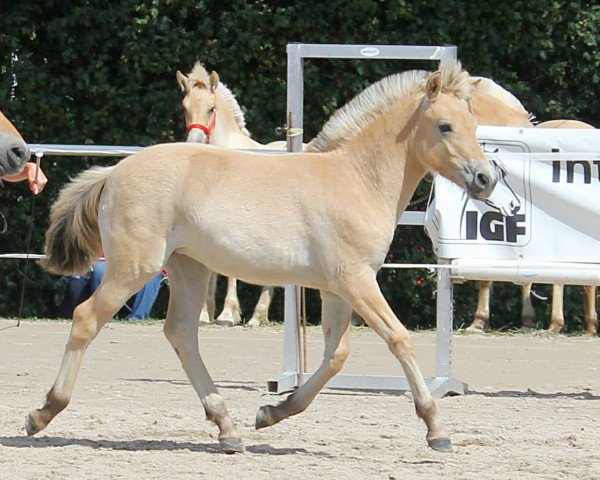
pixel 480 180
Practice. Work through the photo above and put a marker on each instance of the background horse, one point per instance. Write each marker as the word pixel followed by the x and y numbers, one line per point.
pixel 494 105
pixel 13 150
pixel 212 115
pixel 323 220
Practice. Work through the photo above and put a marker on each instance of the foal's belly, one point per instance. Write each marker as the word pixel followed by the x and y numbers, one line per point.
pixel 258 259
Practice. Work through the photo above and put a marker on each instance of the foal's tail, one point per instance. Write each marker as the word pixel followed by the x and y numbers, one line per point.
pixel 73 241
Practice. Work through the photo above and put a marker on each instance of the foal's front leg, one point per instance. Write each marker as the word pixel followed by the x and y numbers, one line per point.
pixel 481 321
pixel 336 314
pixel 230 315
pixel 363 293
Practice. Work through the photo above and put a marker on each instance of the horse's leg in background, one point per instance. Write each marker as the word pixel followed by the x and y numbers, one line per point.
pixel 208 309
pixel 116 288
pixel 335 322
pixel 557 318
pixel 481 322
pixel 590 316
pixel 189 284
pixel 230 315
pixel 261 311
pixel 528 320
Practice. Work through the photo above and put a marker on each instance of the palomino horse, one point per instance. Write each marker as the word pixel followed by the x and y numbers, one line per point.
pixel 207 99
pixel 13 150
pixel 493 105
pixel 323 220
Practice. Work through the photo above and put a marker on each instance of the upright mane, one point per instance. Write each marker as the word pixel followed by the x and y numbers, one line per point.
pixel 199 77
pixel 487 85
pixel 380 97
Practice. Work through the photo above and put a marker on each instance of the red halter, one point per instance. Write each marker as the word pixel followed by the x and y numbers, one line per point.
pixel 207 130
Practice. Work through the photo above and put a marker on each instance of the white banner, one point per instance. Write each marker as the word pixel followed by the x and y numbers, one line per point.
pixel 546 206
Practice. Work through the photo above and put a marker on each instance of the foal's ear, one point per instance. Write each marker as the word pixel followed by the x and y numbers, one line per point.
pixel 434 86
pixel 182 80
pixel 214 81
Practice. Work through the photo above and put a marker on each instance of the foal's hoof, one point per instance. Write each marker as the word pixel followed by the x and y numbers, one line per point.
pixel 31 425
pixel 441 445
pixel 232 445
pixel 225 322
pixel 253 322
pixel 264 417
pixel 473 329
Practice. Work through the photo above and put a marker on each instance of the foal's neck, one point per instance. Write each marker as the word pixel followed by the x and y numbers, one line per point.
pixel 227 132
pixel 383 155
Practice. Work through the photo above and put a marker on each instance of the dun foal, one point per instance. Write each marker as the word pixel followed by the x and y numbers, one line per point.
pixel 323 220
pixel 213 116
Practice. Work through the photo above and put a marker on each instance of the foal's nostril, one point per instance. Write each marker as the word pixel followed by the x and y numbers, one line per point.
pixel 482 180
pixel 18 155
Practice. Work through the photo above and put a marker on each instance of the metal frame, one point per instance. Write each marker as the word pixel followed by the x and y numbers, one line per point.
pixel 443 383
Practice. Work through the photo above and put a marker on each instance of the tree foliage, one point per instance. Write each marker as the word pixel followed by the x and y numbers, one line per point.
pixel 89 71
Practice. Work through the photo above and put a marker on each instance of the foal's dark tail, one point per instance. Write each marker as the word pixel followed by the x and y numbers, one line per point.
pixel 73 241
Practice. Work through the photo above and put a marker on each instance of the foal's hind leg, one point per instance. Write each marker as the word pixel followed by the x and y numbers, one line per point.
pixel 207 315
pixel 189 281
pixel 590 316
pixel 528 320
pixel 365 297
pixel 88 319
pixel 557 317
pixel 261 311
pixel 230 315
pixel 336 315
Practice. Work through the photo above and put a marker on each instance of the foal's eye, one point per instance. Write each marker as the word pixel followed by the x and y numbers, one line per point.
pixel 445 127
pixel 211 110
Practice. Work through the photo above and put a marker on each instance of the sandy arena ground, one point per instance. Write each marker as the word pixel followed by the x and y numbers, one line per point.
pixel 533 411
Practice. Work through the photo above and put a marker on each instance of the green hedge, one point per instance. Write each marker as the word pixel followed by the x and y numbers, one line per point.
pixel 104 72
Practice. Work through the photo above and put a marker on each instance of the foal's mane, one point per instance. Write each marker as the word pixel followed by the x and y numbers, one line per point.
pixel 380 97
pixel 200 79
pixel 487 85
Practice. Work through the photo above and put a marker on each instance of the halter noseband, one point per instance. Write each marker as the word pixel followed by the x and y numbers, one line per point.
pixel 207 130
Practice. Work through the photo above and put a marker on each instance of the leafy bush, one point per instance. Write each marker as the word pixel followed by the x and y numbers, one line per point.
pixel 89 71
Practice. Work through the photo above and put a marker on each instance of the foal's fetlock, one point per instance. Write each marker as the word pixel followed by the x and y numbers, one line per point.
pixel 258 320
pixel 229 318
pixel 478 326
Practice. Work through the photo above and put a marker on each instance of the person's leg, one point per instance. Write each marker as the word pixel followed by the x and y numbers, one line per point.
pixel 75 293
pixel 96 275
pixel 145 298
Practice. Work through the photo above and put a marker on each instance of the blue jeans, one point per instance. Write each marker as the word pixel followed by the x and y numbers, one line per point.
pixel 145 298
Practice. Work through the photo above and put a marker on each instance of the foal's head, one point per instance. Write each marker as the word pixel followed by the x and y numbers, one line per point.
pixel 445 140
pixel 199 103
pixel 13 150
